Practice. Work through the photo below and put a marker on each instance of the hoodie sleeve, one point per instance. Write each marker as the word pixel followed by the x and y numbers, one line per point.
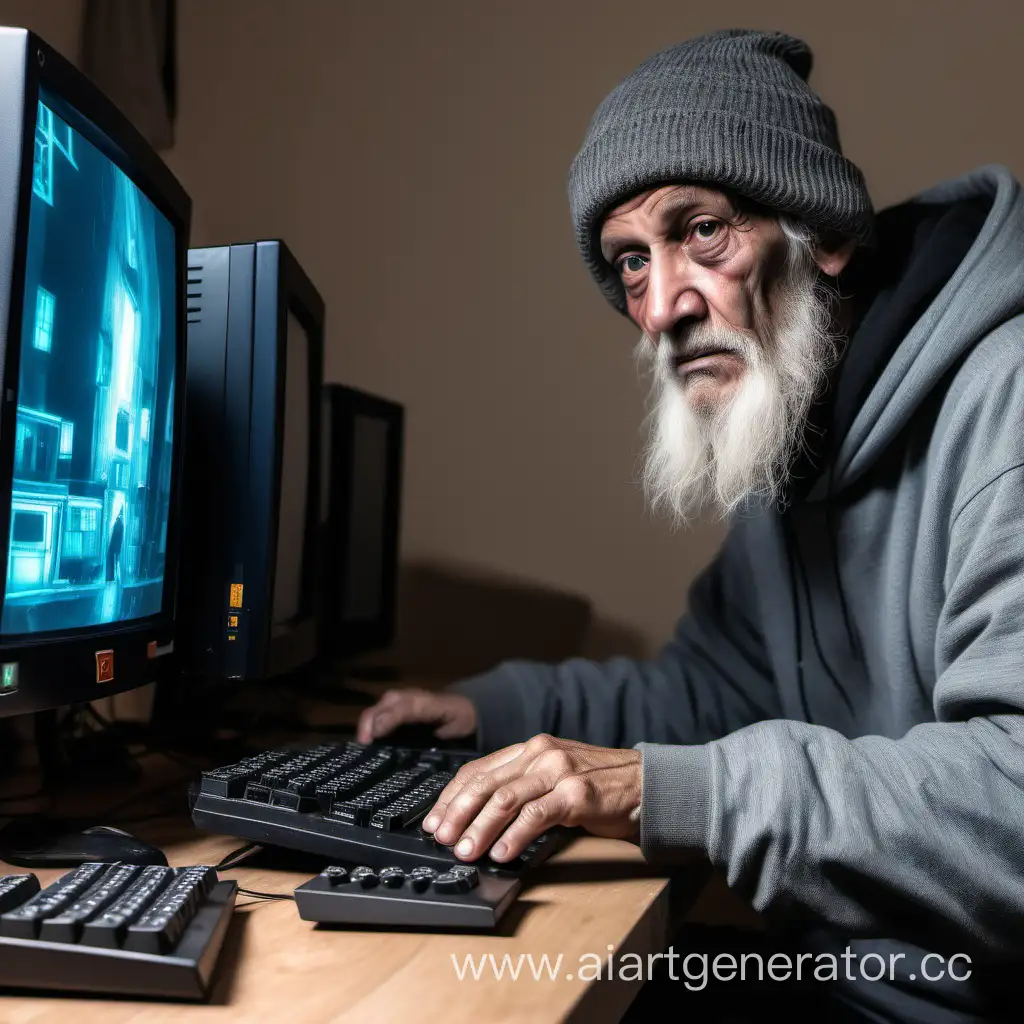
pixel 917 838
pixel 709 680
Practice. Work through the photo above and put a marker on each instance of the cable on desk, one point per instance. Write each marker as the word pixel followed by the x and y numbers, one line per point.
pixel 266 895
pixel 235 857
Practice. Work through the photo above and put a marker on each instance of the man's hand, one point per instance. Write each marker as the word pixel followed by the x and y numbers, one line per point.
pixel 453 714
pixel 516 793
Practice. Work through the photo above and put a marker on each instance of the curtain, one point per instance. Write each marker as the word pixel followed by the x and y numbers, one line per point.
pixel 129 51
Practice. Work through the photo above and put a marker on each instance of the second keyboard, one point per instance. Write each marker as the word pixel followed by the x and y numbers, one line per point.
pixel 119 929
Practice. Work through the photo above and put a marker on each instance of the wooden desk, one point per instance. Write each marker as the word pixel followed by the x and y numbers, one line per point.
pixel 594 895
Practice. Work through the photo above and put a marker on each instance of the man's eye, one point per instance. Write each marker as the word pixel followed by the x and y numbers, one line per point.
pixel 632 263
pixel 706 229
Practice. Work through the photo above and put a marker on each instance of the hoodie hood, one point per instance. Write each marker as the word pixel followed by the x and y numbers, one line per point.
pixel 964 265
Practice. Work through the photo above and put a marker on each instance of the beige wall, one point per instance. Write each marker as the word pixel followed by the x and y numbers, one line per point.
pixel 59 22
pixel 414 157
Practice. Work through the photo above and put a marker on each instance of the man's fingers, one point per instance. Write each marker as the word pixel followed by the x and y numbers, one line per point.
pixel 503 806
pixel 364 728
pixel 471 768
pixel 378 721
pixel 535 817
pixel 528 750
pixel 395 708
pixel 465 776
pixel 449 730
pixel 420 706
pixel 470 800
pixel 369 725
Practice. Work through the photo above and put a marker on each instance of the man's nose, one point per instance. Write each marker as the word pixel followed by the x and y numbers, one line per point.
pixel 671 295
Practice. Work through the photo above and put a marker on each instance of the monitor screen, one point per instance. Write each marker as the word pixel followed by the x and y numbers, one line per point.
pixel 295 454
pixel 92 446
pixel 367 511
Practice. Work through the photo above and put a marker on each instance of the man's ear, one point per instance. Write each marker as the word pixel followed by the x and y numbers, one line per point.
pixel 833 252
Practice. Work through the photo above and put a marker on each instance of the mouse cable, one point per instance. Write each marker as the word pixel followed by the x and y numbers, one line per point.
pixel 266 895
pixel 236 857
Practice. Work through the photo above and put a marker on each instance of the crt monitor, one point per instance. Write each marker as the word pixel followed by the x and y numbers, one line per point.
pixel 363 452
pixel 93 238
pixel 255 370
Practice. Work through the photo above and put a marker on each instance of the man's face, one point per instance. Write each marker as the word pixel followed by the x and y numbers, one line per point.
pixel 738 330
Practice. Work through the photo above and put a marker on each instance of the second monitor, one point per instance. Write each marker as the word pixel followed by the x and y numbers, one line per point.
pixel 255 373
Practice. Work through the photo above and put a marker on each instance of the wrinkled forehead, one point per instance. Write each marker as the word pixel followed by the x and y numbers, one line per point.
pixel 670 193
pixel 663 203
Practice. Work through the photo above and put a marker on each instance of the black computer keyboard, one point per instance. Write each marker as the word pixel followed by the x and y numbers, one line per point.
pixel 117 929
pixel 460 898
pixel 348 802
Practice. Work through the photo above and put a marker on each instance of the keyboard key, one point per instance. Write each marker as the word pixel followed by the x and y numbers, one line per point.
pixel 16 889
pixel 365 877
pixel 410 806
pixel 356 781
pixel 231 780
pixel 468 873
pixel 360 811
pixel 305 782
pixel 204 877
pixel 109 928
pixel 447 882
pixel 300 791
pixel 161 925
pixel 67 926
pixel 392 878
pixel 301 761
pixel 435 757
pixel 24 922
pixel 421 878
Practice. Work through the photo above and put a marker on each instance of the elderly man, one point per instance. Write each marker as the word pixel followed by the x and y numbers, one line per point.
pixel 836 724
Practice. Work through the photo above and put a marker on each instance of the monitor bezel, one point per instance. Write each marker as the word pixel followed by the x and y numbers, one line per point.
pixel 88 111
pixel 294 644
pixel 299 298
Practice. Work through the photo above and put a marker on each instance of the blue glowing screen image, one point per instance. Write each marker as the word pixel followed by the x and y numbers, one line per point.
pixel 94 435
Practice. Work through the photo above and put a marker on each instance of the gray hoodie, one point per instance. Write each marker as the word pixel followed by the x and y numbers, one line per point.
pixel 836 722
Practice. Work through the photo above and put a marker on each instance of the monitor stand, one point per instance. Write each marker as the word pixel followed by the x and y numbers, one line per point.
pixel 97 757
pixel 42 839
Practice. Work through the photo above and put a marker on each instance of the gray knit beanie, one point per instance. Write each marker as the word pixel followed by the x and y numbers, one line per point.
pixel 731 109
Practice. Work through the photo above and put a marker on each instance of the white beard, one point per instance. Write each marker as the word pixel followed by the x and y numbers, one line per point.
pixel 742 446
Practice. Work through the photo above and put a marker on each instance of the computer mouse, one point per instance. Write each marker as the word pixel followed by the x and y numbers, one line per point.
pixel 69 849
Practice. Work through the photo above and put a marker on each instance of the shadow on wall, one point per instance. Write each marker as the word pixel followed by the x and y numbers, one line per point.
pixel 455 621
